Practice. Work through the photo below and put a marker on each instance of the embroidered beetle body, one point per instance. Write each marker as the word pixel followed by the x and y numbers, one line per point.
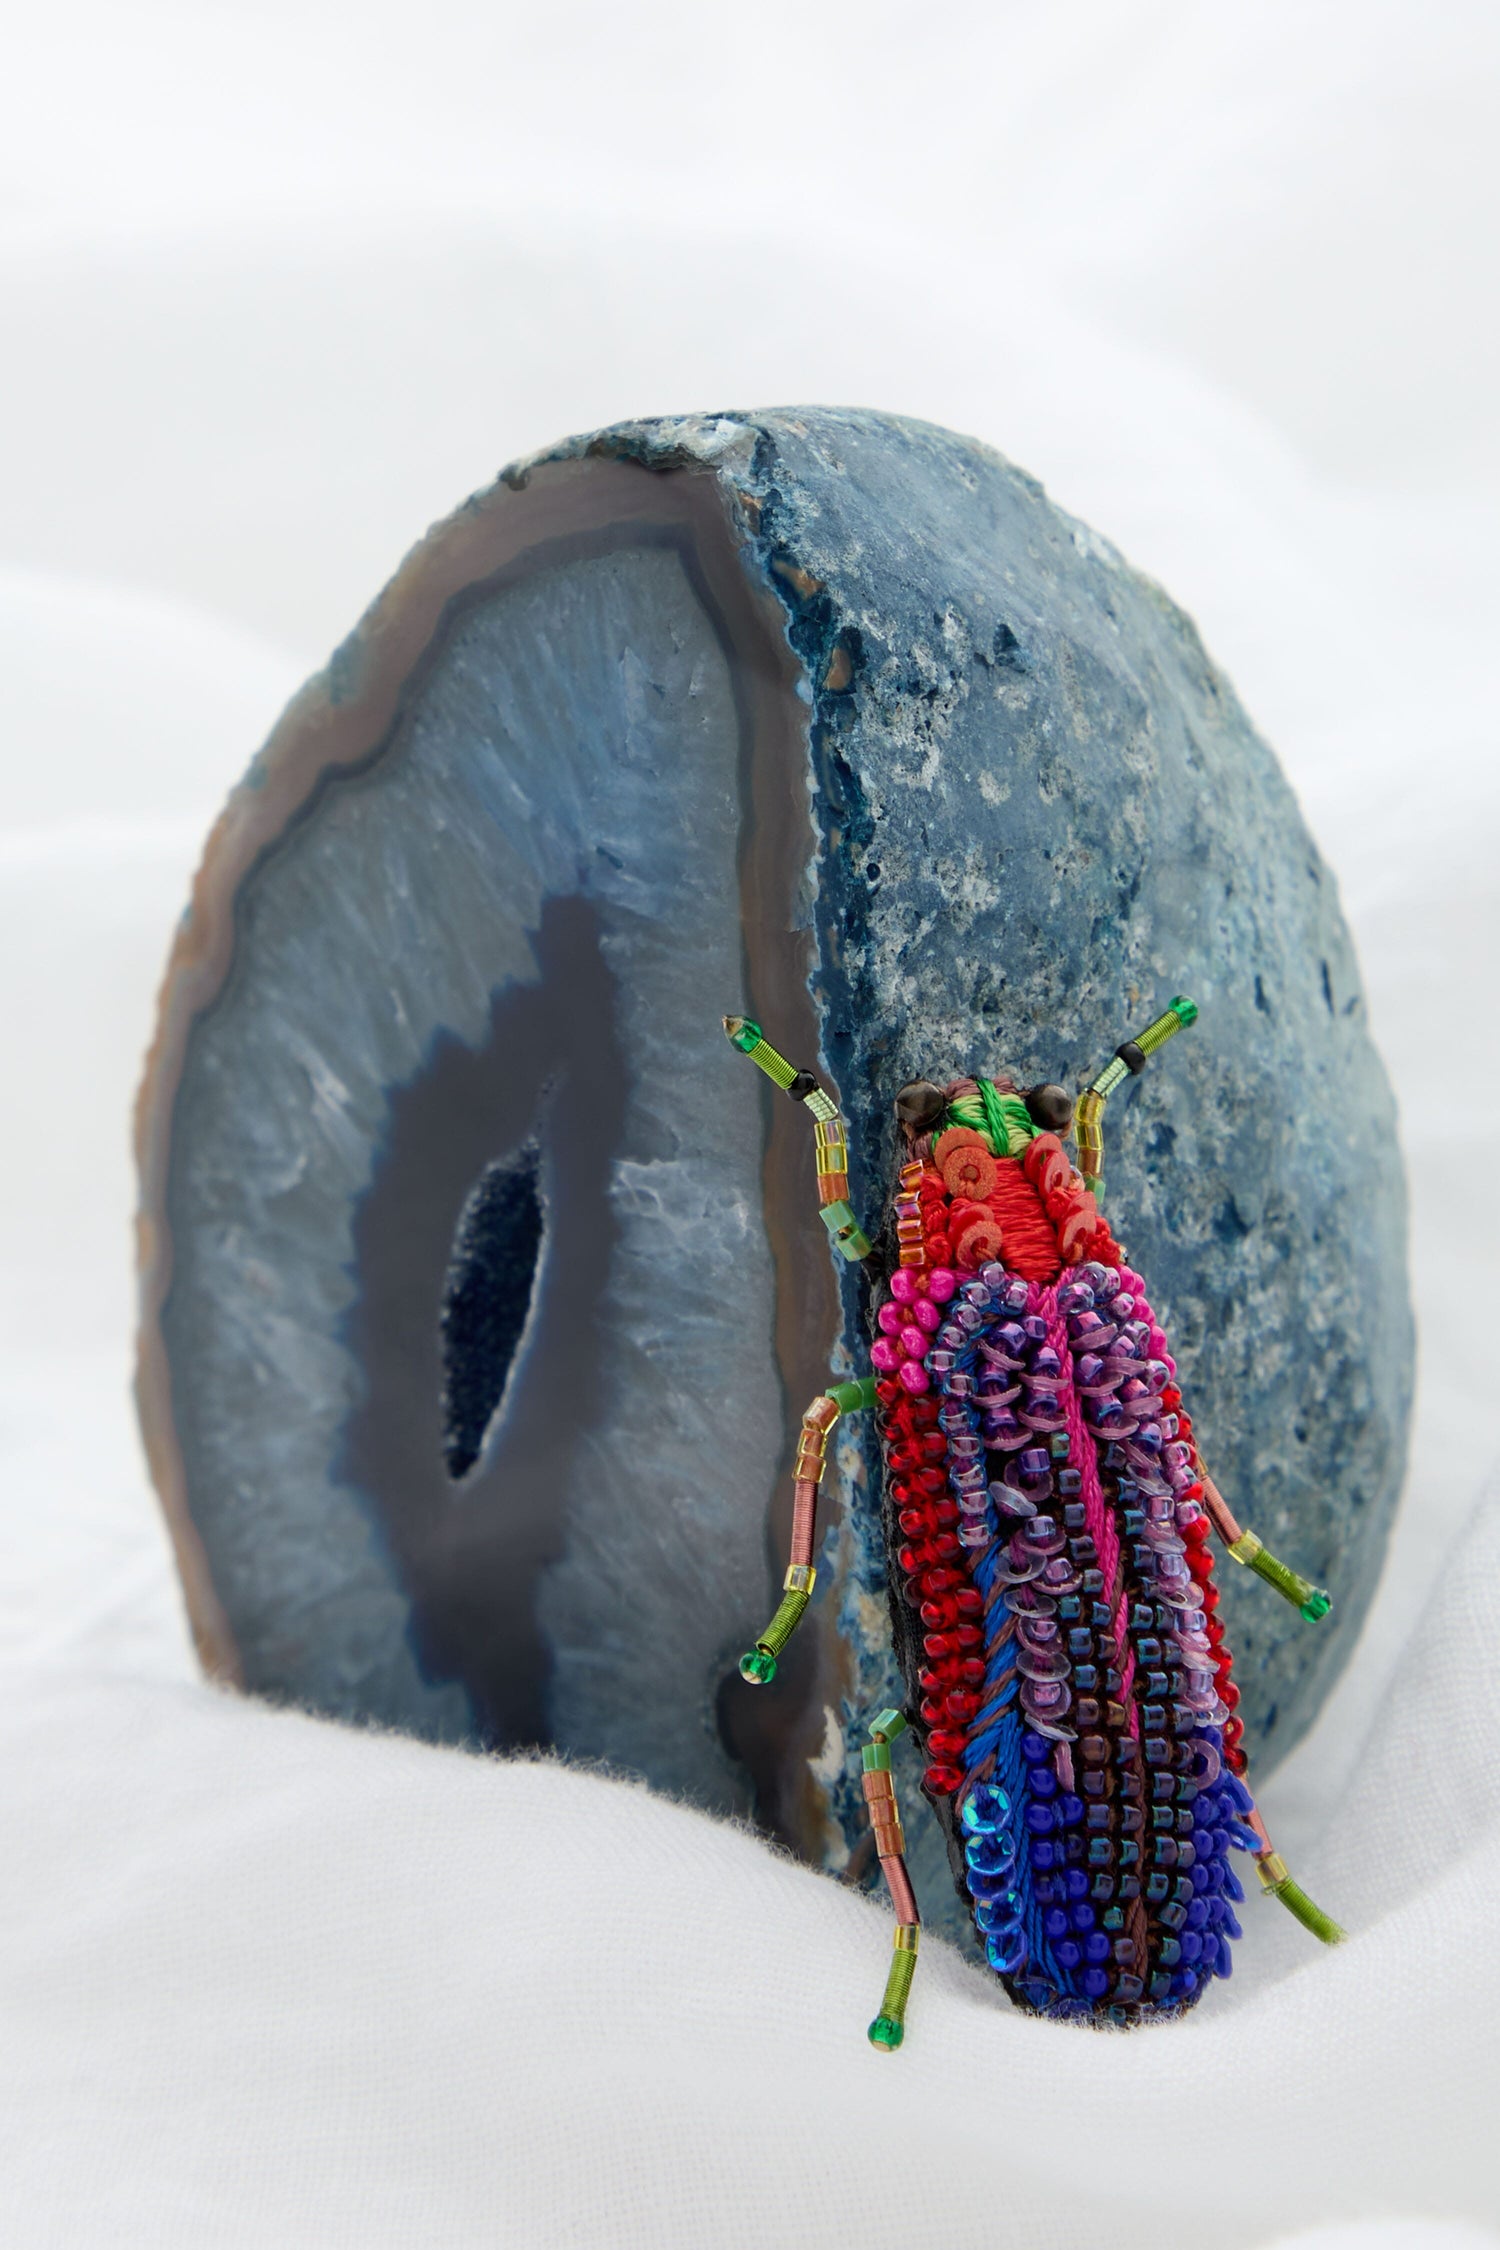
pixel 1047 1515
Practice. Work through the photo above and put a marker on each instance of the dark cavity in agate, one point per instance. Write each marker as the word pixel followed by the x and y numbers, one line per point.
pixel 487 1299
pixel 452 1280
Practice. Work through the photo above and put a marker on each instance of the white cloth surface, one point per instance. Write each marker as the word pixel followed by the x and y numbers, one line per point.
pixel 276 287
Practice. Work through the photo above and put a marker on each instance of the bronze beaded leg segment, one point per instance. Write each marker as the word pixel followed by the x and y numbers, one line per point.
pixel 889 2028
pixel 758 1665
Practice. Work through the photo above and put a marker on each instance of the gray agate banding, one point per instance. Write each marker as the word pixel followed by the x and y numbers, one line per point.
pixel 482 1280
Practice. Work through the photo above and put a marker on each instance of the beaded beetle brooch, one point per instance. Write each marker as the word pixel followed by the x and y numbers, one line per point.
pixel 1047 1517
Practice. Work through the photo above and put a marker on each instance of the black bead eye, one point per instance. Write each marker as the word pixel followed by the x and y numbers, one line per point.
pixel 920 1104
pixel 1051 1109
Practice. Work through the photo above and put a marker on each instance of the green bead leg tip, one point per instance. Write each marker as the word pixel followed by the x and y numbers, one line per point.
pixel 756 1667
pixel 886 2032
pixel 1317 1605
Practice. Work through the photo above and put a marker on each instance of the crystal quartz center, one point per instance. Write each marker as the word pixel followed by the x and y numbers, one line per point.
pixel 481 1291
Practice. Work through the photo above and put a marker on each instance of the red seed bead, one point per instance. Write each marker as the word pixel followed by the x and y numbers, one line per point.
pixel 971 1672
pixel 1200 1563
pixel 1235 1759
pixel 1230 1693
pixel 888 1393
pixel 946 1744
pixel 1171 1398
pixel 941 1781
pixel 931 1712
pixel 938 1644
pixel 940 1615
pixel 943 1581
pixel 1234 1730
pixel 967 1636
pixel 916 1522
pixel 969 1599
pixel 960 1705
pixel 948 1545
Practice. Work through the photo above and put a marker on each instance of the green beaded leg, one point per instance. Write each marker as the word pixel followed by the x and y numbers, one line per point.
pixel 1274 1879
pixel 1303 1595
pixel 758 1664
pixel 889 2028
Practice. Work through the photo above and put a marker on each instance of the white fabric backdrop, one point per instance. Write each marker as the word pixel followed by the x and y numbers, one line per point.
pixel 277 286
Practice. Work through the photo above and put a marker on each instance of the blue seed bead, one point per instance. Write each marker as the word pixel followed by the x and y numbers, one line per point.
pixel 1234 1789
pixel 1231 1927
pixel 1035 1749
pixel 1068 1954
pixel 1084 1917
pixel 1042 1853
pixel 1225 1965
pixel 1039 1819
pixel 1044 1782
pixel 1055 1922
pixel 1096 1947
pixel 1070 1810
pixel 1077 1883
pixel 1233 1887
pixel 1095 1983
pixel 1192 1946
pixel 1197 1913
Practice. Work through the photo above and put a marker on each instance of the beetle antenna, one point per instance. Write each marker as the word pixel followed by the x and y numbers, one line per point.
pixel 1128 1060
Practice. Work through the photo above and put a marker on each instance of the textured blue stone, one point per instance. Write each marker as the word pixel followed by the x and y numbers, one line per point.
pixel 1017 809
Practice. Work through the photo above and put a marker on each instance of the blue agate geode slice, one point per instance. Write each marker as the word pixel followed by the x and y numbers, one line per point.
pixel 483 1285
